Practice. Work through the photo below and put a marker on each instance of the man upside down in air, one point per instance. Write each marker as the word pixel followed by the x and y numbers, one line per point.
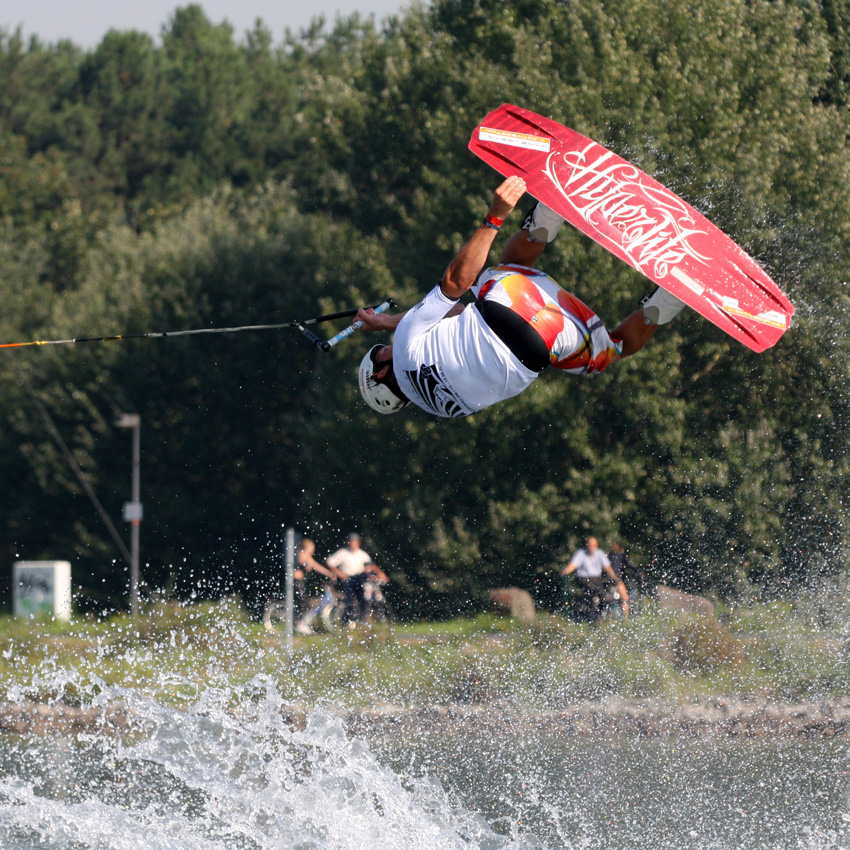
pixel 452 361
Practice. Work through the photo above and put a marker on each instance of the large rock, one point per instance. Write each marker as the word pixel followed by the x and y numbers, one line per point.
pixel 514 601
pixel 683 603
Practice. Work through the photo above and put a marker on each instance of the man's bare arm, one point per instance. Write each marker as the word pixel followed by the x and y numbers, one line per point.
pixel 373 321
pixel 620 587
pixel 376 572
pixel 467 265
pixel 321 568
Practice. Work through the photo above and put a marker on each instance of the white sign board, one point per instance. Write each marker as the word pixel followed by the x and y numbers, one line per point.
pixel 41 587
pixel 132 511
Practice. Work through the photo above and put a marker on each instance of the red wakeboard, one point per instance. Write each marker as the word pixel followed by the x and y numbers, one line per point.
pixel 638 220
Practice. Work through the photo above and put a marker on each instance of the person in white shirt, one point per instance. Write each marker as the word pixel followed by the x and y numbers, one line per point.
pixel 589 564
pixel 452 361
pixel 356 567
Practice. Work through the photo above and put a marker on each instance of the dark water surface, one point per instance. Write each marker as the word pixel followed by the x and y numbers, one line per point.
pixel 644 792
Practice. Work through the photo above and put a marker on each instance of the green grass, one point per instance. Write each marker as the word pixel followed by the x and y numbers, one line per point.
pixel 176 652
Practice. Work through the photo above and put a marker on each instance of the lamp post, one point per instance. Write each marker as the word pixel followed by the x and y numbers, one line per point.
pixel 133 509
pixel 289 564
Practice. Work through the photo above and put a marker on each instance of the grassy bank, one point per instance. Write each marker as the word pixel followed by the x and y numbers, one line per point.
pixel 773 652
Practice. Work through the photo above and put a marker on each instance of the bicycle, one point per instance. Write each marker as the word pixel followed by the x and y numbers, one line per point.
pixel 332 615
pixel 378 608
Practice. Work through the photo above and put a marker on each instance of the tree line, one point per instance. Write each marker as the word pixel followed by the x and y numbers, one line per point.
pixel 211 178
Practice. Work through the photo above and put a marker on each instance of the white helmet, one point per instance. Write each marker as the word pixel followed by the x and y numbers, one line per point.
pixel 378 396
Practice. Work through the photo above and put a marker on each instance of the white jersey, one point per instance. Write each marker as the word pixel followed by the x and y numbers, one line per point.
pixel 590 565
pixel 456 366
pixel 349 562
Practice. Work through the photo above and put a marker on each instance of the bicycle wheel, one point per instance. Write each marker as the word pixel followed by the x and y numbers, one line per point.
pixel 336 614
pixel 274 617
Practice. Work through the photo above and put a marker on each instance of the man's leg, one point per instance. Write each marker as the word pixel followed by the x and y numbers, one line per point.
pixel 522 251
pixel 325 607
pixel 350 599
pixel 361 596
pixel 307 619
pixel 634 333
pixel 539 227
pixel 637 330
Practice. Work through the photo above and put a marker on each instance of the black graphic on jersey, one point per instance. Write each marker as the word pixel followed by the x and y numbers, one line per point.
pixel 433 393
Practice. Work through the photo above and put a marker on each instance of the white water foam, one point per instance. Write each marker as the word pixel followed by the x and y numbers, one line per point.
pixel 225 776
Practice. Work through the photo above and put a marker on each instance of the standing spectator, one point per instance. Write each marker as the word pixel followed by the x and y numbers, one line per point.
pixel 622 567
pixel 635 578
pixel 355 565
pixel 315 578
pixel 619 559
pixel 589 564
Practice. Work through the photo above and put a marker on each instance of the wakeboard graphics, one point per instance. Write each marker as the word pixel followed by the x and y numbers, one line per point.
pixel 638 220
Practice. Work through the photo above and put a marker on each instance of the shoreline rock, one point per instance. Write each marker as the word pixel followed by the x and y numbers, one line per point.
pixel 613 716
pixel 618 717
pixel 31 718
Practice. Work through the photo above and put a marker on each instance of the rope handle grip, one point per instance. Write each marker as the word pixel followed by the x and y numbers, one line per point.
pixel 327 345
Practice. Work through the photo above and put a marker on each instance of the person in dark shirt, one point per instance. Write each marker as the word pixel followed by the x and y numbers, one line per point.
pixel 623 569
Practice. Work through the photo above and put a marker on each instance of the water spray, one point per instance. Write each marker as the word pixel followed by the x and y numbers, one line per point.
pixel 300 324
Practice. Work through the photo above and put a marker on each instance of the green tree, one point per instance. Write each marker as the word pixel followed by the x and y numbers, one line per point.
pixel 121 83
pixel 272 182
